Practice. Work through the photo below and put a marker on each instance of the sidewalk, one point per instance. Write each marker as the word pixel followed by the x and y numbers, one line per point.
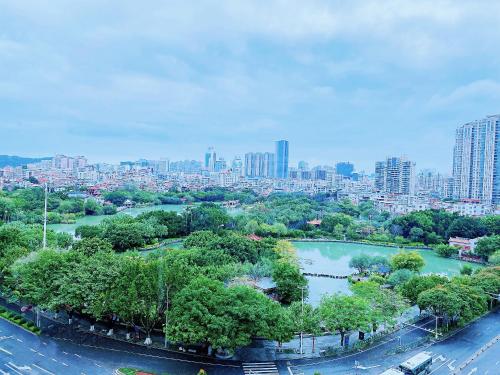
pixel 258 350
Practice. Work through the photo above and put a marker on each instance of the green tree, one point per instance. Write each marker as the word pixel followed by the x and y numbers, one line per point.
pixel 385 304
pixel 417 234
pixel 467 227
pixel 92 245
pixel 412 261
pixel 118 197
pixel 419 283
pixel 306 319
pixel 495 258
pixel 92 207
pixel 491 222
pixel 466 270
pixel 440 301
pixel 289 281
pixel 226 318
pixel 175 223
pixel 88 231
pixel 329 222
pixel 445 251
pixel 487 246
pixel 361 263
pixel 399 277
pixel 342 314
pixel 207 216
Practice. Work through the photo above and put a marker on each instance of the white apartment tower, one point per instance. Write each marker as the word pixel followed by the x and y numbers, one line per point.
pixel 476 161
pixel 395 175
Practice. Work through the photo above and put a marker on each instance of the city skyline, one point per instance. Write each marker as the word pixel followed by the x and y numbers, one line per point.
pixel 76 80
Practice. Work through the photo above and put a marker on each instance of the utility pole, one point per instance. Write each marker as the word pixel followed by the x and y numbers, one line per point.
pixel 436 331
pixel 166 320
pixel 45 218
pixel 302 320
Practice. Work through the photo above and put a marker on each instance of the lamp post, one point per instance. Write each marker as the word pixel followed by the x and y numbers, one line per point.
pixel 45 218
pixel 302 320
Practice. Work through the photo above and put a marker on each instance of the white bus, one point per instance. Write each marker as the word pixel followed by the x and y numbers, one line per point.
pixel 419 364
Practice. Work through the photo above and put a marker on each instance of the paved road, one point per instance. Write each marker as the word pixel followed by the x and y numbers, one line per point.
pixel 24 353
pixel 448 354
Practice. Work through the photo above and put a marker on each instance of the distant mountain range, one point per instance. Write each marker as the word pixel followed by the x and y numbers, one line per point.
pixel 16 161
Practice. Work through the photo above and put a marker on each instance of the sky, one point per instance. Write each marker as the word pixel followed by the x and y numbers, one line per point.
pixel 341 80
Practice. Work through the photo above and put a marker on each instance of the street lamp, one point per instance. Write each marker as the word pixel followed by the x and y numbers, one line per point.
pixel 302 320
pixel 45 218
pixel 436 330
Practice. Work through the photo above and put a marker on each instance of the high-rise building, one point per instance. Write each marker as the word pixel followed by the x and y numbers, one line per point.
pixel 237 166
pixel 380 175
pixel 220 165
pixel 259 164
pixel 344 169
pixel 281 159
pixel 303 165
pixel 476 161
pixel 395 175
pixel 210 159
pixel 269 167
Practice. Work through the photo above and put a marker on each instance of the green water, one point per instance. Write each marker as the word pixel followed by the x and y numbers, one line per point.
pixel 94 220
pixel 333 258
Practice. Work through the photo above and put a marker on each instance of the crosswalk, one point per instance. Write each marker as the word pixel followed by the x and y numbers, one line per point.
pixel 260 368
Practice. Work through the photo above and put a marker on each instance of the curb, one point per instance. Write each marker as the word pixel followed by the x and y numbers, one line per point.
pixel 477 354
pixel 19 326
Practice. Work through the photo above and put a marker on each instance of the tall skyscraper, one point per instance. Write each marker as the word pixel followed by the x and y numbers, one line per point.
pixel 269 165
pixel 258 164
pixel 395 175
pixel 344 169
pixel 210 159
pixel 281 159
pixel 476 161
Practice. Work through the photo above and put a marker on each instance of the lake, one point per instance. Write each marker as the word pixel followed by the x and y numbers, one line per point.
pixel 94 220
pixel 333 258
pixel 134 211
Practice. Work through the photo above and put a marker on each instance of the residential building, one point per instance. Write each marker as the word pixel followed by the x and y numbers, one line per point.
pixel 476 161
pixel 259 164
pixel 464 244
pixel 395 175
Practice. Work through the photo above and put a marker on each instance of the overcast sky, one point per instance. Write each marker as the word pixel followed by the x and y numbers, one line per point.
pixel 341 80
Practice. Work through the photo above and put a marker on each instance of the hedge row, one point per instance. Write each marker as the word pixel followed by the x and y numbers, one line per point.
pixel 15 318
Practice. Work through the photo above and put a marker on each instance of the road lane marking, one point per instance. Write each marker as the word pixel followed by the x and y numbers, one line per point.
pixel 78 355
pixel 33 350
pixel 53 359
pixel 44 370
pixel 13 369
pixel 65 353
pixel 19 340
pixel 18 369
pixel 450 365
pixel 437 368
pixel 40 354
pixel 5 351
pixel 64 364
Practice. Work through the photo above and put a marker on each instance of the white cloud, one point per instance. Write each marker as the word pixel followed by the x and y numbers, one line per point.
pixel 478 90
